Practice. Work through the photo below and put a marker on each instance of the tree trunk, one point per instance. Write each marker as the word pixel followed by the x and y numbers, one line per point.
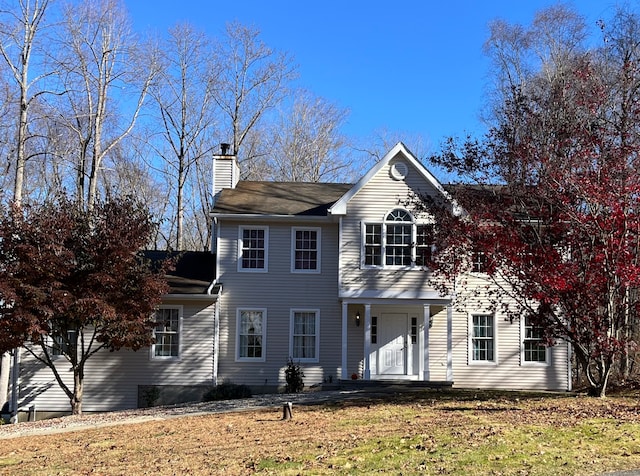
pixel 180 205
pixel 78 390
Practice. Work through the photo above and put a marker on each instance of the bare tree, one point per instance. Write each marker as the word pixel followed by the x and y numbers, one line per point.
pixel 373 148
pixel 19 29
pixel 107 74
pixel 307 144
pixel 184 101
pixel 529 58
pixel 17 45
pixel 254 78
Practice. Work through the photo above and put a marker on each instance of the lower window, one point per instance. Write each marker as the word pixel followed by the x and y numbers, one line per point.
pixel 482 338
pixel 304 335
pixel 251 334
pixel 533 346
pixel 167 332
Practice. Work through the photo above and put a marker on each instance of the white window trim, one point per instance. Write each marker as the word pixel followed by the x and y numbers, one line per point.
pixel 293 249
pixel 363 237
pixel 528 363
pixel 152 353
pixel 264 334
pixel 241 269
pixel 383 246
pixel 317 327
pixel 486 363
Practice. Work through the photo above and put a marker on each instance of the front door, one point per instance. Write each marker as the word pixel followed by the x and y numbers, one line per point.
pixel 392 337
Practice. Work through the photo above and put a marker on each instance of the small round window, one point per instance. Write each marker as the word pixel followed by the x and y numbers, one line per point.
pixel 399 170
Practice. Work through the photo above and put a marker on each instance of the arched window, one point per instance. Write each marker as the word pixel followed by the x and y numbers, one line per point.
pixel 399 228
pixel 398 241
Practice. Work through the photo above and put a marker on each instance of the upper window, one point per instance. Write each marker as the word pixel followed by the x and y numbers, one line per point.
pixel 305 250
pixel 253 247
pixel 424 244
pixel 304 335
pixel 398 227
pixel 397 242
pixel 373 245
pixel 167 332
pixel 534 349
pixel 251 334
pixel 479 262
pixel 482 338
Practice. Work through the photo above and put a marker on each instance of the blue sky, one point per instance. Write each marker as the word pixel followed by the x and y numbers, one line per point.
pixel 409 66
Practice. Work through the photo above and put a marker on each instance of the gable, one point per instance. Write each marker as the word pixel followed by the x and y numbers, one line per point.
pixel 399 172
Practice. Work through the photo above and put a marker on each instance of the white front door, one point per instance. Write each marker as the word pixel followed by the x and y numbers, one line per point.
pixel 392 339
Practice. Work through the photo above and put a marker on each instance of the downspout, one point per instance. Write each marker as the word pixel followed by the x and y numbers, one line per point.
pixel 215 225
pixel 15 381
pixel 216 334
pixel 216 331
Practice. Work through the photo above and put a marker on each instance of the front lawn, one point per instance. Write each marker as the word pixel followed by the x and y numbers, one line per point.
pixel 410 433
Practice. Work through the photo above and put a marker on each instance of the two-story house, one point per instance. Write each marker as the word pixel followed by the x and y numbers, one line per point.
pixel 333 276
pixel 329 275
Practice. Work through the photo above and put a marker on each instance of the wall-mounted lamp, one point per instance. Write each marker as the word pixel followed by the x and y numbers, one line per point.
pixel 358 318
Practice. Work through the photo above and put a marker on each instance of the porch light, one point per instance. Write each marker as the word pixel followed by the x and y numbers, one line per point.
pixel 358 318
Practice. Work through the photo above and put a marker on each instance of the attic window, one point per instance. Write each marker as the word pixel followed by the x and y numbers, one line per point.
pixel 399 170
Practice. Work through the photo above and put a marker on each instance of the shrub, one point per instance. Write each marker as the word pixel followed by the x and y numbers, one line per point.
pixel 294 376
pixel 227 391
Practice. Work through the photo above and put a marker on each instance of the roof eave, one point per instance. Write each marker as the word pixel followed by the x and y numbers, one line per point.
pixel 190 297
pixel 271 217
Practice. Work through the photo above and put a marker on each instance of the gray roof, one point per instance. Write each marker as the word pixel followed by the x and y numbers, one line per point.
pixel 280 198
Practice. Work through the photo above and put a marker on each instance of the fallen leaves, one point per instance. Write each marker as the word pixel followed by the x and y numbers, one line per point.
pixel 446 434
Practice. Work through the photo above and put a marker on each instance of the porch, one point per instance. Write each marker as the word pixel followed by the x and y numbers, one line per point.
pixel 397 341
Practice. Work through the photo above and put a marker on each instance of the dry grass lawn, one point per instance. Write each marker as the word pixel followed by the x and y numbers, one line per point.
pixel 416 433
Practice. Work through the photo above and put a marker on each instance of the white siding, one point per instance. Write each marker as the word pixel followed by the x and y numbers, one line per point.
pixel 379 196
pixel 112 378
pixel 371 204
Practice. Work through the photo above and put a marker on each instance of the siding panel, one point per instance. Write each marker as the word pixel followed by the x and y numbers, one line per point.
pixel 379 196
pixel 371 204
pixel 279 290
pixel 112 378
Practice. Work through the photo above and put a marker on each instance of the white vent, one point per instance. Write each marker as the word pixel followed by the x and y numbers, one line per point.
pixel 399 170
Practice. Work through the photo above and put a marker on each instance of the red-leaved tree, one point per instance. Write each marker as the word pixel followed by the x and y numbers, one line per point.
pixel 552 221
pixel 73 282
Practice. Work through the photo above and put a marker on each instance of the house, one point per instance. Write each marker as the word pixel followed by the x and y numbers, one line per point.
pixel 329 275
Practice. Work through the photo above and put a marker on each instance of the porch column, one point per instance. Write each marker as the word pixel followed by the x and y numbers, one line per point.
pixel 426 316
pixel 345 320
pixel 449 342
pixel 367 342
